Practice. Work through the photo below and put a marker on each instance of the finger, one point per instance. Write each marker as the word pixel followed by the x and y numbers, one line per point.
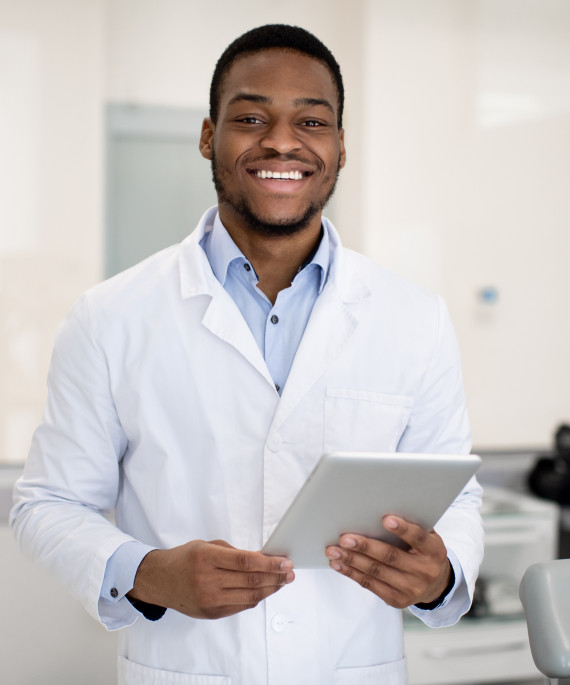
pixel 352 547
pixel 239 602
pixel 393 595
pixel 214 588
pixel 248 598
pixel 387 568
pixel 415 536
pixel 256 580
pixel 235 601
pixel 423 548
pixel 376 557
pixel 232 559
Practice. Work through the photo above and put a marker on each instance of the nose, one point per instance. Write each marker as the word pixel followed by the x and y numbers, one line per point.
pixel 281 137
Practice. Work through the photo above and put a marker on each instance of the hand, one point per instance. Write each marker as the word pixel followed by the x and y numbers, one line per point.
pixel 209 579
pixel 399 577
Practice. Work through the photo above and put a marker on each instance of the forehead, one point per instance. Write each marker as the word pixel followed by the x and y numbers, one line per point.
pixel 279 72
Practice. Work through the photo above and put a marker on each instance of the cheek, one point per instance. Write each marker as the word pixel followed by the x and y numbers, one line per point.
pixel 331 157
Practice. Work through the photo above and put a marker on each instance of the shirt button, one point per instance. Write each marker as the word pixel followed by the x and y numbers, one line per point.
pixel 114 592
pixel 279 623
pixel 277 387
pixel 274 319
pixel 247 267
pixel 274 443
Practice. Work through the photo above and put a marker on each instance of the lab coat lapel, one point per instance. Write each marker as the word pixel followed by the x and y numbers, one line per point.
pixel 224 319
pixel 333 321
pixel 222 316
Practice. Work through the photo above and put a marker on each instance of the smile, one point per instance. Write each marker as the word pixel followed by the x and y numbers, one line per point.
pixel 281 175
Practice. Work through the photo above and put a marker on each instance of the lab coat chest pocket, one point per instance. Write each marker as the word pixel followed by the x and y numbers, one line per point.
pixel 364 421
pixel 132 673
pixel 394 673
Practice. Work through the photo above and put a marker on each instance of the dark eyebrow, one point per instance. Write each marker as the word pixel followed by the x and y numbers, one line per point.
pixel 312 102
pixel 250 97
pixel 264 100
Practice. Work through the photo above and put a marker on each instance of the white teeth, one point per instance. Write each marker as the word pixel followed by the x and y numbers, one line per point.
pixel 284 175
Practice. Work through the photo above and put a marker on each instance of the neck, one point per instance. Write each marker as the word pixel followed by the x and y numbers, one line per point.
pixel 276 259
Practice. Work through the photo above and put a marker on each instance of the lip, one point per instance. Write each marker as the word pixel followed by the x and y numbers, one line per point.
pixel 279 186
pixel 301 172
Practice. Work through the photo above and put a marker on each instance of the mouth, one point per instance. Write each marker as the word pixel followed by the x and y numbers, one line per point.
pixel 291 175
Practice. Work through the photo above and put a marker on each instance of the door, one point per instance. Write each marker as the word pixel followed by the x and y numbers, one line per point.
pixel 158 184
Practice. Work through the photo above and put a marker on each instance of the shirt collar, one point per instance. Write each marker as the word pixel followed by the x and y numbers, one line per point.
pixel 222 251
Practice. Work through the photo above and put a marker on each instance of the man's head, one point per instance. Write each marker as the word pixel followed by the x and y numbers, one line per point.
pixel 274 36
pixel 273 136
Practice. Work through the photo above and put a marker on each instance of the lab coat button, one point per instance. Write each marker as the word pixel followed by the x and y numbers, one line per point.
pixel 279 623
pixel 274 443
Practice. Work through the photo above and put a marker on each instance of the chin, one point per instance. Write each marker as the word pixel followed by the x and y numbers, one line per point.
pixel 280 225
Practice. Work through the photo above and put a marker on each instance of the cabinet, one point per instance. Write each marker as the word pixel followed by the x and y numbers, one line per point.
pixel 490 644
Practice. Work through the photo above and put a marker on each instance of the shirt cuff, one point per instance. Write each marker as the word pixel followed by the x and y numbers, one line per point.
pixel 450 610
pixel 115 610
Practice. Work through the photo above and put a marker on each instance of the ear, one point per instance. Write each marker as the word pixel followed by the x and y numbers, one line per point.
pixel 342 157
pixel 207 138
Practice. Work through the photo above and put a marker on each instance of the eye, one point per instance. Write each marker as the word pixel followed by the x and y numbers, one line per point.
pixel 249 120
pixel 312 123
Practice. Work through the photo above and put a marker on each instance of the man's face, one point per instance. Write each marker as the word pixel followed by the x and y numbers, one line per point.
pixel 276 148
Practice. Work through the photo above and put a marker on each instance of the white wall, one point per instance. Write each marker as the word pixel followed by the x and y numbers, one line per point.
pixel 467 168
pixel 51 217
pixel 51 94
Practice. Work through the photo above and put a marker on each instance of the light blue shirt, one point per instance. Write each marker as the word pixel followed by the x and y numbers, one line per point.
pixel 277 330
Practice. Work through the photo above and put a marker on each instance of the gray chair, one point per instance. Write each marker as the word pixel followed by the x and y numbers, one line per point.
pixel 545 595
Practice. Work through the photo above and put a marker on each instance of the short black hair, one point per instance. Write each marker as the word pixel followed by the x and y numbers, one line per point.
pixel 274 36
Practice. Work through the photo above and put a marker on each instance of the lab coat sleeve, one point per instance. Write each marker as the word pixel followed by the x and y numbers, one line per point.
pixel 71 478
pixel 438 423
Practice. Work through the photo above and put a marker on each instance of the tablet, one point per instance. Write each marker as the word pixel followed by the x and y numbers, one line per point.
pixel 350 492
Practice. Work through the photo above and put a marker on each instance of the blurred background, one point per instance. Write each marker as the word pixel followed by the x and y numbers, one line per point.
pixel 458 177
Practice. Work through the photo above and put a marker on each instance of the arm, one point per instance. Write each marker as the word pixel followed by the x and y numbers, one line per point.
pixel 70 484
pixel 71 479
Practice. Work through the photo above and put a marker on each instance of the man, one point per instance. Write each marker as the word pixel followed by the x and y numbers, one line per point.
pixel 193 394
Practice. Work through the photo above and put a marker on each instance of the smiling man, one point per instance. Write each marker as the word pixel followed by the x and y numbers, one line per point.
pixel 192 395
pixel 276 149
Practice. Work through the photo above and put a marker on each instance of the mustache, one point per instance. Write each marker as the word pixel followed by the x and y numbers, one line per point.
pixel 280 157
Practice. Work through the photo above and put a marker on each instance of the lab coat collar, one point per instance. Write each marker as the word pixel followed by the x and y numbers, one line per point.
pixel 222 315
pixel 197 277
pixel 334 318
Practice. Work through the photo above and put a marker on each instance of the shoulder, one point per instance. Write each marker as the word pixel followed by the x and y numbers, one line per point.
pixel 133 293
pixel 356 274
pixel 388 287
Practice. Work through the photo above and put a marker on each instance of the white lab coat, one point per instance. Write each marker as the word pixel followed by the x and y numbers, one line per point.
pixel 161 409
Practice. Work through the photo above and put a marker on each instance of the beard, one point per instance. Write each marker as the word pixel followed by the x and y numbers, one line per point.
pixel 283 227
